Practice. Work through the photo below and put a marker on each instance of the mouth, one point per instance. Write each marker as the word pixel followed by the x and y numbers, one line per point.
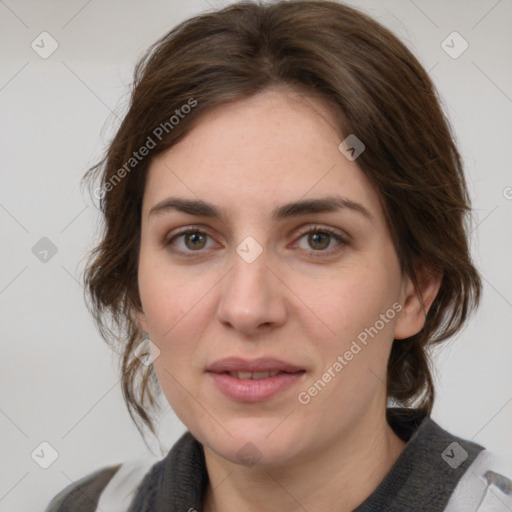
pixel 253 375
pixel 254 381
pixel 253 366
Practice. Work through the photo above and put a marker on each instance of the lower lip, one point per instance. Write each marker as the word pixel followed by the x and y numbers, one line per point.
pixel 255 390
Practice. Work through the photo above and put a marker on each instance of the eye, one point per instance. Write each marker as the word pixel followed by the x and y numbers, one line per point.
pixel 191 240
pixel 321 240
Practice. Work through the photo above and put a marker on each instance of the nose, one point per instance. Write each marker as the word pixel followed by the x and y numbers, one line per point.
pixel 252 297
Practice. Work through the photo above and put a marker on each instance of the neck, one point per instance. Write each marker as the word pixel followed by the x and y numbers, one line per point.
pixel 338 478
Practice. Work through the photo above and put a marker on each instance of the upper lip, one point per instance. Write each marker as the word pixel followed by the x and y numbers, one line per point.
pixel 264 364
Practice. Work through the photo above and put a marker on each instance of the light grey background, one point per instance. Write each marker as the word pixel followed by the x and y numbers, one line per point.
pixel 59 382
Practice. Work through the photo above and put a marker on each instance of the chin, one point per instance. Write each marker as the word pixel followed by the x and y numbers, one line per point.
pixel 252 443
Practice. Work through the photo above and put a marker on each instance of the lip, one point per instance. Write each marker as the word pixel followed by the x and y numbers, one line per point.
pixel 262 364
pixel 254 390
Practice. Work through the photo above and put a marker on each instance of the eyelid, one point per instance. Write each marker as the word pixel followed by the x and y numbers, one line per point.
pixel 170 237
pixel 187 229
pixel 342 237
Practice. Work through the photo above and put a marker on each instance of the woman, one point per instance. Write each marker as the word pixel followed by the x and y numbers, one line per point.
pixel 285 213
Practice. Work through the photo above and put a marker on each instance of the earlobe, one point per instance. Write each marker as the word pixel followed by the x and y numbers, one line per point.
pixel 417 302
pixel 141 318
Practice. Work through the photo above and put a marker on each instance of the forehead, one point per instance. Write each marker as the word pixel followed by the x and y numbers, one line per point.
pixel 254 154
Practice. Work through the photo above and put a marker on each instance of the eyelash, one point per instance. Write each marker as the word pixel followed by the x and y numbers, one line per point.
pixel 342 241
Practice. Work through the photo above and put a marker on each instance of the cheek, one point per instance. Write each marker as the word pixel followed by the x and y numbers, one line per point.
pixel 352 359
pixel 348 300
pixel 172 298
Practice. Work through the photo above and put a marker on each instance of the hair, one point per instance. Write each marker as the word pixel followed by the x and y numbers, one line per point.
pixel 383 95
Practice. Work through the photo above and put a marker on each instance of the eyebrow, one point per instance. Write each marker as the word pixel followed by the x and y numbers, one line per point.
pixel 201 208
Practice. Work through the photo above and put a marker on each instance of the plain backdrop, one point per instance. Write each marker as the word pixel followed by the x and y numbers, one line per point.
pixel 59 382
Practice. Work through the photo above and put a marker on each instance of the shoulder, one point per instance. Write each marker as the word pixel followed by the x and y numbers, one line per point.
pixel 83 495
pixel 448 472
pixel 109 489
pixel 487 482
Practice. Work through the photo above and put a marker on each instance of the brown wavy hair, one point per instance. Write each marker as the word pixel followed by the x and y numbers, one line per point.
pixel 379 91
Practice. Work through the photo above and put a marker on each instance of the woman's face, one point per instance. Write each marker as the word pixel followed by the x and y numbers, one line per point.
pixel 286 266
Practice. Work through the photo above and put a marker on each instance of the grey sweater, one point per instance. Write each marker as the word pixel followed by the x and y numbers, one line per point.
pixel 423 478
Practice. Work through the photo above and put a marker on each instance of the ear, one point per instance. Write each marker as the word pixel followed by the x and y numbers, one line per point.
pixel 416 302
pixel 141 318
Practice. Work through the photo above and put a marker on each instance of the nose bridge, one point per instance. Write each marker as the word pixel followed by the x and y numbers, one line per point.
pixel 250 295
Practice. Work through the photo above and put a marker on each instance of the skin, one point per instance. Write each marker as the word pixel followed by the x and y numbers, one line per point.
pixel 298 301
